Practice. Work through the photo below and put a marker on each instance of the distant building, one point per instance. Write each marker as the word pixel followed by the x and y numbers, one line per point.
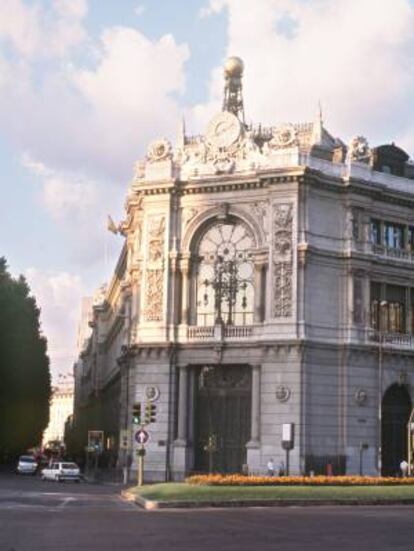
pixel 61 407
pixel 267 279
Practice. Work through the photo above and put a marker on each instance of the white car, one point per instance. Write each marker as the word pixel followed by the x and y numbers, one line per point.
pixel 61 471
pixel 27 464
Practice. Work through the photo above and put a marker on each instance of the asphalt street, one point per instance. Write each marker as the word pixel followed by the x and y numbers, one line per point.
pixel 37 515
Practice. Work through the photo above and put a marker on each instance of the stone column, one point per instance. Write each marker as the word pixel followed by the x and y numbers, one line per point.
pixel 185 272
pixel 258 292
pixel 255 418
pixel 408 312
pixel 182 405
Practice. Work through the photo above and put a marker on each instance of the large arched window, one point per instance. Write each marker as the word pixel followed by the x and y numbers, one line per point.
pixel 224 275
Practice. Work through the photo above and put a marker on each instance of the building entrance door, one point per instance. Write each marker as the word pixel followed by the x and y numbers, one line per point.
pixel 396 409
pixel 222 418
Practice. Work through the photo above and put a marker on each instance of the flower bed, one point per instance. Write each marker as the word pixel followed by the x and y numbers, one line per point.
pixel 241 480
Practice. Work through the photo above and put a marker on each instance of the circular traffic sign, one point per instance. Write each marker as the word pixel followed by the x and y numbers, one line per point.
pixel 141 436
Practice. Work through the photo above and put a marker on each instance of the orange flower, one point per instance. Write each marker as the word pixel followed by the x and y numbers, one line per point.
pixel 242 480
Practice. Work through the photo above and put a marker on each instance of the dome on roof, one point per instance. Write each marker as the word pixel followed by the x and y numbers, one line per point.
pixel 234 67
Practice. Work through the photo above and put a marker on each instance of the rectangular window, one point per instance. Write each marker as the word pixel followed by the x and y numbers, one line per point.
pixel 375 232
pixel 375 292
pixel 394 236
pixel 410 243
pixel 395 307
pixel 358 303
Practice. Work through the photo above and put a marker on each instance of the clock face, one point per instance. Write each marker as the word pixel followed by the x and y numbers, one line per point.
pixel 224 129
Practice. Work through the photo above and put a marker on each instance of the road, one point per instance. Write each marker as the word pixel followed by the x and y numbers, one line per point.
pixel 37 515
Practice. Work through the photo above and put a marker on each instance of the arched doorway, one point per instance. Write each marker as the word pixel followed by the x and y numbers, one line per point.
pixel 396 409
pixel 222 417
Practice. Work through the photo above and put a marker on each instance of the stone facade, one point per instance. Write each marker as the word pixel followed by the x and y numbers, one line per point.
pixel 294 258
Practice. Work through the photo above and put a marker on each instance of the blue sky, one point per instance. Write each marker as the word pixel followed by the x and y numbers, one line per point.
pixel 86 84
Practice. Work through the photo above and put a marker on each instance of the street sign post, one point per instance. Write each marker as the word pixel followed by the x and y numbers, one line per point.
pixel 141 436
pixel 288 441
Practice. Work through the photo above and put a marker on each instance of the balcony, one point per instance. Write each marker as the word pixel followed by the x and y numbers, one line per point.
pixel 398 341
pixel 389 252
pixel 222 332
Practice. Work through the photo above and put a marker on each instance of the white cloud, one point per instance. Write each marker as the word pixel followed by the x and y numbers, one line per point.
pixel 79 206
pixel 58 294
pixel 356 56
pixel 82 127
pixel 66 195
pixel 36 31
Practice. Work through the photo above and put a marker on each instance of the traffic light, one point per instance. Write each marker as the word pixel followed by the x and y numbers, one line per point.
pixel 136 413
pixel 150 413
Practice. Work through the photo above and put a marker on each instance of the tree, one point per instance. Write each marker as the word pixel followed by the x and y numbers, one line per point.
pixel 25 385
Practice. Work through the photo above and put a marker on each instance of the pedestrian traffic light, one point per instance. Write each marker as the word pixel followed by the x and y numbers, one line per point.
pixel 150 413
pixel 136 413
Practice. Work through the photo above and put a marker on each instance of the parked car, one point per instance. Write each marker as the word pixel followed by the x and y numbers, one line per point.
pixel 26 464
pixel 61 471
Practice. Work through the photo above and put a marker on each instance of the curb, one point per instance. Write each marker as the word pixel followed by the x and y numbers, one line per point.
pixel 152 505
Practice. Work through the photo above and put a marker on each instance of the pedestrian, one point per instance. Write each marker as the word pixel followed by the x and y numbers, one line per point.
pixel 270 467
pixel 282 469
pixel 404 468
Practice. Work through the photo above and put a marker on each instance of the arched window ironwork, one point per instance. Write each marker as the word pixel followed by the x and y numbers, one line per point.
pixel 224 275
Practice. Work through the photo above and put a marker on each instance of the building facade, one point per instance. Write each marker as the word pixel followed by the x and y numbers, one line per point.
pixel 61 408
pixel 266 279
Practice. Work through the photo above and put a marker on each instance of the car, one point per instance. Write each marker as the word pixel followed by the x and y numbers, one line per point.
pixel 26 464
pixel 61 471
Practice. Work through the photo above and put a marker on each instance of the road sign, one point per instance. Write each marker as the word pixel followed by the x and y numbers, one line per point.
pixel 141 436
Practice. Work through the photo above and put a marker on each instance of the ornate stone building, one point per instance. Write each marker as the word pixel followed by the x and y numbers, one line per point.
pixel 266 278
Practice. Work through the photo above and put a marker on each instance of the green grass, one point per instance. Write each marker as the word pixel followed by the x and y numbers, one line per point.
pixel 187 492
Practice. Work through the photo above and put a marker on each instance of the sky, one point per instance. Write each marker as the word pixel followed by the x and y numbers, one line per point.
pixel 85 85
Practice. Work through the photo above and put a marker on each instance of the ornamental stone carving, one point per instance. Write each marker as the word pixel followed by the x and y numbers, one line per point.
pixel 283 137
pixel 283 393
pixel 359 150
pixel 188 215
pixel 223 130
pixel 154 286
pixel 361 397
pixel 159 150
pixel 282 259
pixel 152 393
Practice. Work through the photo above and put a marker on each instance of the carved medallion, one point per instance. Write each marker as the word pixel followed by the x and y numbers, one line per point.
pixel 152 393
pixel 361 397
pixel 283 393
pixel 223 130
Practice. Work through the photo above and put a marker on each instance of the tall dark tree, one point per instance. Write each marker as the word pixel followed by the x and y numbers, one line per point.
pixel 25 386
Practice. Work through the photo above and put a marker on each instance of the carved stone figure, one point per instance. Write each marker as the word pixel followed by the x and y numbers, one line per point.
pixel 359 150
